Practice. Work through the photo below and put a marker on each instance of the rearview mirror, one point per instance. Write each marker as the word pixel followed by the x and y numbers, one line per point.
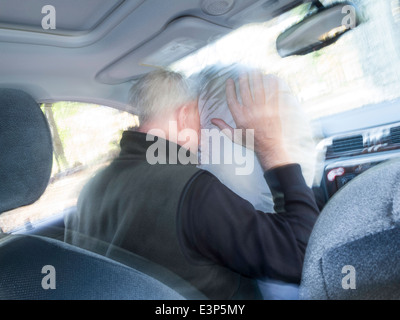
pixel 318 30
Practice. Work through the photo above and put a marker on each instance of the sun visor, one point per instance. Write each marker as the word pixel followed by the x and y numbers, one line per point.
pixel 179 39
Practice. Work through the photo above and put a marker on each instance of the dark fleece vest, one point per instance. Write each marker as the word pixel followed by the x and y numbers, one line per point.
pixel 133 205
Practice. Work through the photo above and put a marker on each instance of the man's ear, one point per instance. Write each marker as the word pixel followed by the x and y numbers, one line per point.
pixel 183 117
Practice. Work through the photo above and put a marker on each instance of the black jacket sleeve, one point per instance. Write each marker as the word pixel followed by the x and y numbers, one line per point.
pixel 217 224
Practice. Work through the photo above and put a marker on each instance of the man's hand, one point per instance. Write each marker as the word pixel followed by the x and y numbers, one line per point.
pixel 259 112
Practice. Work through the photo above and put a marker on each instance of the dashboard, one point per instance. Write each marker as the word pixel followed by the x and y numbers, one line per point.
pixel 375 138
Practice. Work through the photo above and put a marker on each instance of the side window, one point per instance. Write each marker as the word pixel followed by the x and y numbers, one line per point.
pixel 85 139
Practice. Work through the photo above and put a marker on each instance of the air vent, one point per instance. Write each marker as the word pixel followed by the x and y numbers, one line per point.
pixel 395 135
pixel 348 144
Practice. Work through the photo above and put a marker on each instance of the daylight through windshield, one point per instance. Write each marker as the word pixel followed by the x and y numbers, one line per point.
pixel 361 68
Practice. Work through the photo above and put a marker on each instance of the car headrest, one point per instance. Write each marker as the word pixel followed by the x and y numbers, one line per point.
pixel 26 151
pixel 354 249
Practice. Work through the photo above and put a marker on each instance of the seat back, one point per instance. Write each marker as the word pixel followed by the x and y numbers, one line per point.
pixel 26 150
pixel 354 249
pixel 78 274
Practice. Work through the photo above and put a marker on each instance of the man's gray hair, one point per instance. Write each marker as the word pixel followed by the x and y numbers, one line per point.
pixel 159 93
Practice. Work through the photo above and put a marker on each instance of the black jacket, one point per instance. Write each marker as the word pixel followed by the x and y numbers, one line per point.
pixel 185 220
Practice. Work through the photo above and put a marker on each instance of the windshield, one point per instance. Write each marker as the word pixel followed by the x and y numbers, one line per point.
pixel 360 69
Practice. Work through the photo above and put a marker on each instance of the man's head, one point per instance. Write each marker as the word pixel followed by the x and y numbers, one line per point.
pixel 166 101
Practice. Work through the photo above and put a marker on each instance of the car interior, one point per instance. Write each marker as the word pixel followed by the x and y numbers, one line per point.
pixel 66 71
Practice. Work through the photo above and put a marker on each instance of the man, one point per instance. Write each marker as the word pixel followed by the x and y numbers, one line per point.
pixel 183 218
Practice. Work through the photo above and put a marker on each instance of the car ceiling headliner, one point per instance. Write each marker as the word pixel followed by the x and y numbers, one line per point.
pixel 96 60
